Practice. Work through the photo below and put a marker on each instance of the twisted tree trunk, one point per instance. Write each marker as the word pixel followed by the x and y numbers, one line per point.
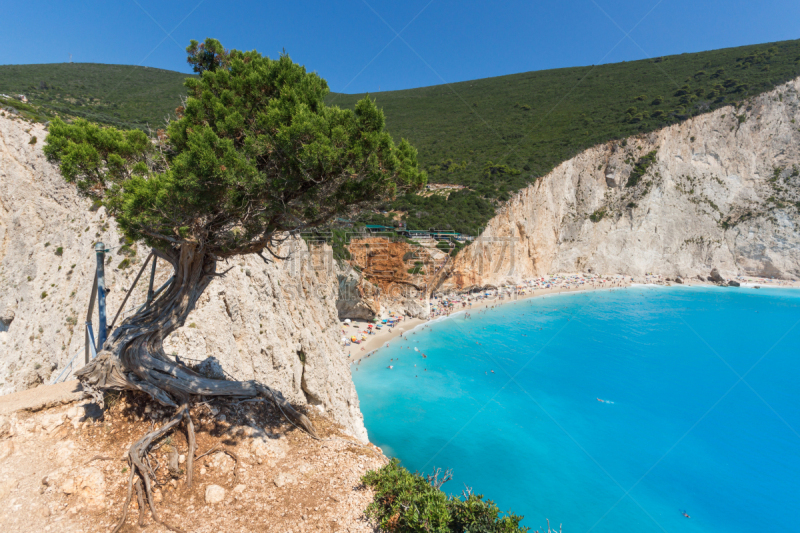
pixel 133 358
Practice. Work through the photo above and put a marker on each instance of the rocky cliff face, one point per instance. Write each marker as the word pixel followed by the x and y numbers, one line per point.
pixel 721 190
pixel 276 323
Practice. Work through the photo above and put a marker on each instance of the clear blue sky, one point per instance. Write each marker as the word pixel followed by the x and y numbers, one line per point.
pixel 353 44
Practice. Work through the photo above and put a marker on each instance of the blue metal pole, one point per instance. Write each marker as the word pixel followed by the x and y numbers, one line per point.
pixel 102 328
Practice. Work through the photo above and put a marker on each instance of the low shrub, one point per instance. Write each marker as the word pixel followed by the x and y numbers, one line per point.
pixel 60 251
pixel 598 215
pixel 406 503
pixel 640 168
pixel 33 140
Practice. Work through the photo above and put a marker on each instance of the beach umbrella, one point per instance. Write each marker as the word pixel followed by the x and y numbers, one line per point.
pixel 346 320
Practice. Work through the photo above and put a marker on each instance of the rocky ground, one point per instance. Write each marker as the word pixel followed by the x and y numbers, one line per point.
pixel 65 469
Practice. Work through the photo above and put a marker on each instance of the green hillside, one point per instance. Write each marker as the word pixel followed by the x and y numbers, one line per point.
pixel 496 135
pixel 122 95
pixel 492 135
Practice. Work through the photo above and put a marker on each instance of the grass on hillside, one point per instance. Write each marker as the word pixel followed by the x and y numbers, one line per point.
pixel 121 95
pixel 493 135
pixel 497 135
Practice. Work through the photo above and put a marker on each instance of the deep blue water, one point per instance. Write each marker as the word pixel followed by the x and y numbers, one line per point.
pixel 684 432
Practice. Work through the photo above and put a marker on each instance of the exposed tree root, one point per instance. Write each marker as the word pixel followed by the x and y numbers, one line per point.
pixel 140 499
pixel 210 450
pixel 133 358
pixel 235 464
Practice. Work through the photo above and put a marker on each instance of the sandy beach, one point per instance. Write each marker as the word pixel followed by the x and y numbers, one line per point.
pixel 561 284
pixel 355 352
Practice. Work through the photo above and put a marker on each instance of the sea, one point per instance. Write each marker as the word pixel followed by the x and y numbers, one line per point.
pixel 605 411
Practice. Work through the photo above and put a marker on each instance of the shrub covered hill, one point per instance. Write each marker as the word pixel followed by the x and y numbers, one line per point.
pixel 124 96
pixel 493 136
pixel 496 135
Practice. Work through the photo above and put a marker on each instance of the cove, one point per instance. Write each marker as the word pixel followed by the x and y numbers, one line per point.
pixel 699 413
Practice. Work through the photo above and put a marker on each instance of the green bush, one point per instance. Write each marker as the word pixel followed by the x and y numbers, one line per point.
pixel 33 140
pixel 435 120
pixel 408 503
pixel 43 295
pixel 60 251
pixel 640 168
pixel 598 215
pixel 125 263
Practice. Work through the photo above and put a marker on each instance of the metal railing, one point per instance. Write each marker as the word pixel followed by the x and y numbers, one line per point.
pixel 98 294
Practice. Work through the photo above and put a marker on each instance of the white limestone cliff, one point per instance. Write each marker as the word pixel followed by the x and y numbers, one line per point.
pixel 722 192
pixel 276 323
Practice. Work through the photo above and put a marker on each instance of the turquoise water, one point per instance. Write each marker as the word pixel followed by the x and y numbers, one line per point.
pixel 684 432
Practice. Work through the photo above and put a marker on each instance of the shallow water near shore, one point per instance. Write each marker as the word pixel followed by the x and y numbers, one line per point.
pixel 705 418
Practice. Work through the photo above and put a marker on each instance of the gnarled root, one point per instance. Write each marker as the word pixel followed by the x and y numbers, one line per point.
pixel 137 458
pixel 133 358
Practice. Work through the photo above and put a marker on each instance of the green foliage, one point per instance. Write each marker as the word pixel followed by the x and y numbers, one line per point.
pixel 209 55
pixel 640 168
pixel 59 251
pixel 43 295
pixel 33 140
pixel 27 111
pixel 408 503
pixel 120 95
pixel 598 215
pixel 462 211
pixel 255 151
pixel 436 120
pixel 125 263
pixel 97 158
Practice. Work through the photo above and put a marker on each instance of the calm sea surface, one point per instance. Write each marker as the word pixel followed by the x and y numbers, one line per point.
pixel 701 410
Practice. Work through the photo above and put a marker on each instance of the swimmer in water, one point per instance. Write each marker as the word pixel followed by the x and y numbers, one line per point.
pixel 685 514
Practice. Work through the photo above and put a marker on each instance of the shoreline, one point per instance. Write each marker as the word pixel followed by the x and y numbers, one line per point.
pixel 375 342
pixel 356 352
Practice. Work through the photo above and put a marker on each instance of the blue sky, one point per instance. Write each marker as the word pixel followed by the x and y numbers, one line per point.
pixel 355 45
